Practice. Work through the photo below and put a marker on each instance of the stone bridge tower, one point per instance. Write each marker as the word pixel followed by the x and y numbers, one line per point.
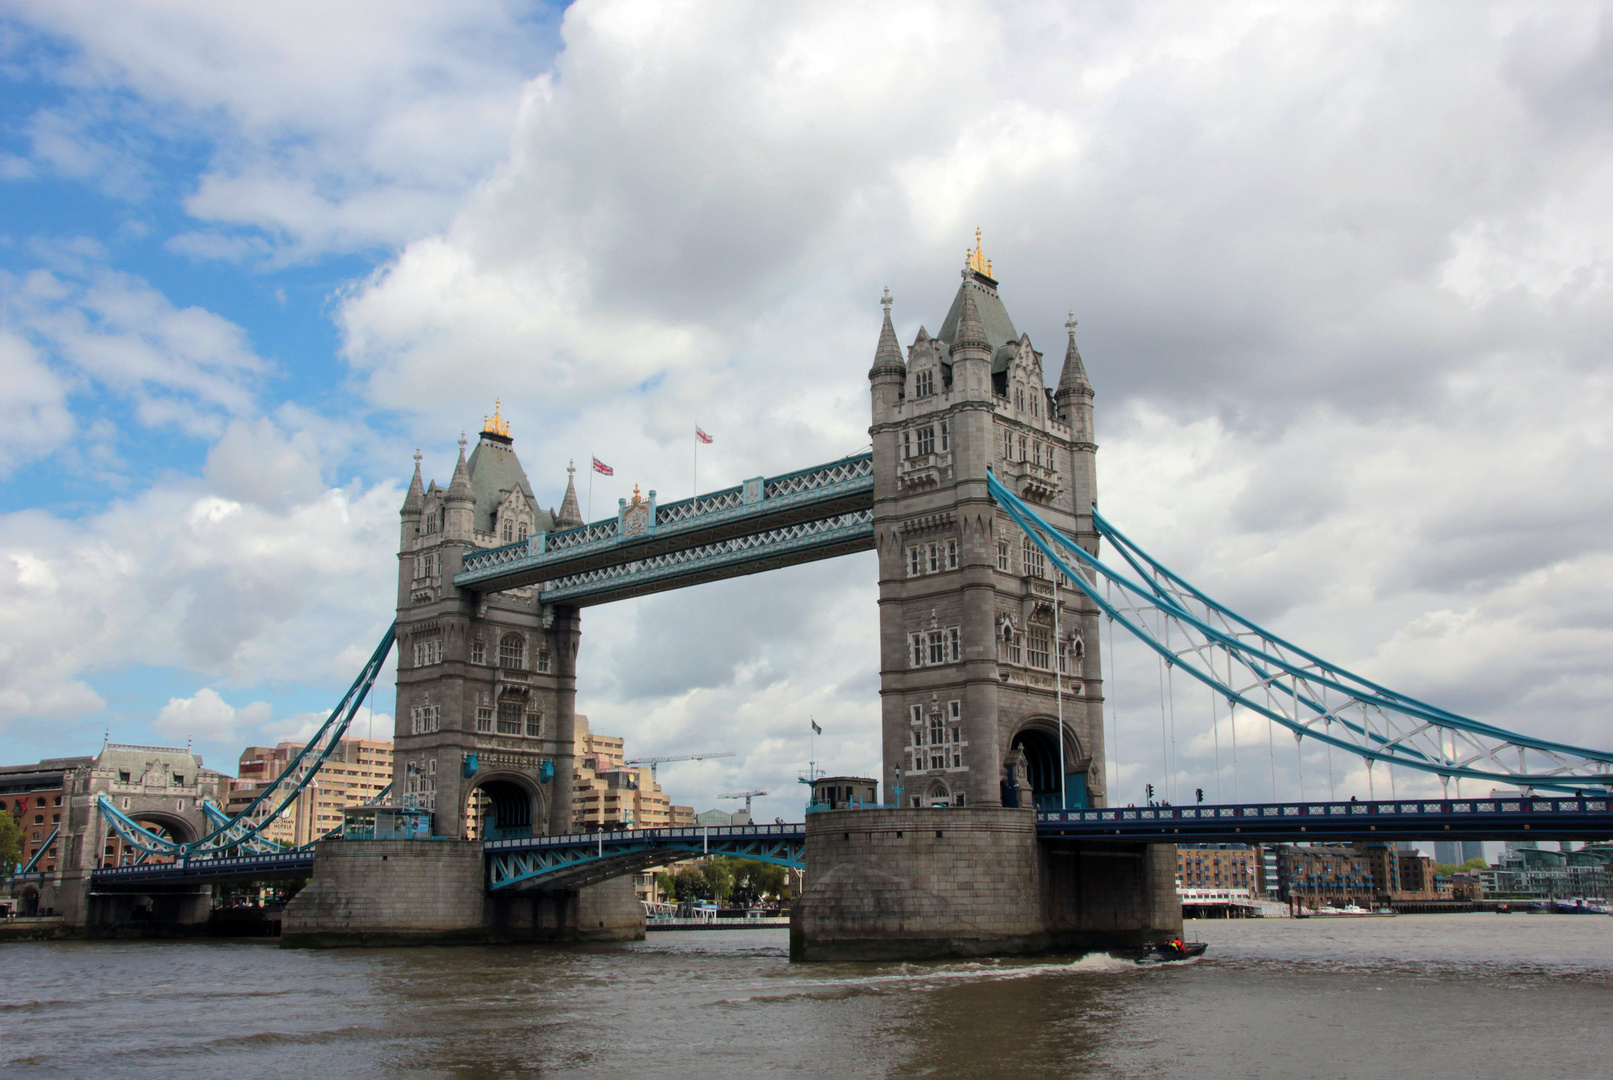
pixel 486 682
pixel 978 644
pixel 973 655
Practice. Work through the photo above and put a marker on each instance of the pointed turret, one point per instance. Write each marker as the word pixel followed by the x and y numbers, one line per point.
pixel 888 353
pixel 1074 393
pixel 1074 377
pixel 415 500
pixel 570 515
pixel 460 502
pixel 971 331
pixel 889 373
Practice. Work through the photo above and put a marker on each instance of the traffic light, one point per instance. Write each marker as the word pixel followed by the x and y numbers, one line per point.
pixel 1150 791
pixel 1200 793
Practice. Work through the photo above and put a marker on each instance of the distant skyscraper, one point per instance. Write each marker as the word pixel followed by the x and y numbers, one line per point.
pixel 1472 849
pixel 1405 845
pixel 1449 852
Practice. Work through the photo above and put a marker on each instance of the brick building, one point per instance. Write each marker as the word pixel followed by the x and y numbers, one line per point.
pixel 1217 866
pixel 357 771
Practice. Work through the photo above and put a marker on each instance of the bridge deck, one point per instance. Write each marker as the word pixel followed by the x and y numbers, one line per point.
pixel 1514 818
pixel 581 859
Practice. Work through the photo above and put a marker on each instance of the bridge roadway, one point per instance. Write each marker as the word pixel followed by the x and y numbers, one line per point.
pixel 582 859
pixel 762 524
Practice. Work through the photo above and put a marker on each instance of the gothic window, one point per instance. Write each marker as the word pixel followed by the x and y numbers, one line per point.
pixel 1036 453
pixel 907 444
pixel 427 652
pixel 509 718
pixel 924 384
pixel 938 761
pixel 917 714
pixel 916 641
pixel 542 664
pixel 1022 448
pixel 1011 646
pixel 484 720
pixel 934 553
pixel 946 435
pixel 534 725
pixel 1019 397
pixel 1002 556
pixel 954 714
pixel 938 647
pixel 954 644
pixel 478 651
pixel 1034 411
pixel 1037 648
pixel 1008 446
pixel 512 652
pixel 915 562
pixel 1035 561
pixel 520 530
pixel 509 532
pixel 424 719
pixel 926 440
pixel 937 731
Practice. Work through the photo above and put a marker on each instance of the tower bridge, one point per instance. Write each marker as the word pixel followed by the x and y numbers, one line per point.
pixel 996 832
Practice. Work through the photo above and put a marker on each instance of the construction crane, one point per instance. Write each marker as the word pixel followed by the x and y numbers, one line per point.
pixel 652 762
pixel 746 795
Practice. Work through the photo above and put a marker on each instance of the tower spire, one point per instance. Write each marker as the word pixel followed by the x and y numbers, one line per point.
pixel 888 353
pixel 415 500
pixel 1073 379
pixel 570 515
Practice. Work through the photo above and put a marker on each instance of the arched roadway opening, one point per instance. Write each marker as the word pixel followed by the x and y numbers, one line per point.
pixel 117 852
pixel 504 807
pixel 1038 739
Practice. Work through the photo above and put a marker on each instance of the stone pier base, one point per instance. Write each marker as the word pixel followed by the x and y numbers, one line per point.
pixel 917 884
pixel 432 892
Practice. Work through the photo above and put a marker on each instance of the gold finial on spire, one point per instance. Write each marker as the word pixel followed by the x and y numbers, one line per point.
pixel 976 260
pixel 496 425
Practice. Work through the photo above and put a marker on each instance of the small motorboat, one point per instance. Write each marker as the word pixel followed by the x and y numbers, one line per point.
pixel 1170 951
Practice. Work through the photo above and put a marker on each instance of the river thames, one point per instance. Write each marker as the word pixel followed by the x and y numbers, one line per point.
pixel 1410 997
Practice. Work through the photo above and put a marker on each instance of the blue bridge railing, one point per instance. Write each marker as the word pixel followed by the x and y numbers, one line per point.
pixel 1489 818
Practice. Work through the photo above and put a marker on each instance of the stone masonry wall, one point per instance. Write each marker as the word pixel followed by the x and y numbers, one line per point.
pixel 901 884
pixel 388 892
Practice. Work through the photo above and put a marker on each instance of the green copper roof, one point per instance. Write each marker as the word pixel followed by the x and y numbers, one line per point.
pixel 999 327
pixel 494 469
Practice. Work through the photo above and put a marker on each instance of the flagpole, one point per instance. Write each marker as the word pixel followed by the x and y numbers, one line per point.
pixel 695 494
pixel 591 472
pixel 1058 682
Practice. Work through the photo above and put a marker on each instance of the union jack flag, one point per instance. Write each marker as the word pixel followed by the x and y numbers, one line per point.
pixel 701 435
pixel 603 469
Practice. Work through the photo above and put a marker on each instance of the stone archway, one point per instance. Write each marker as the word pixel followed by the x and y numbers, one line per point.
pixel 503 806
pixel 1037 738
pixel 171 826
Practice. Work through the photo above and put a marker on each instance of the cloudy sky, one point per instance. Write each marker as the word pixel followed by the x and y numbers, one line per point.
pixel 1342 274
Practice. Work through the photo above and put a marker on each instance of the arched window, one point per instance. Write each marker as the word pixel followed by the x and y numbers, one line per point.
pixel 542 659
pixel 512 652
pixel 520 530
pixel 509 532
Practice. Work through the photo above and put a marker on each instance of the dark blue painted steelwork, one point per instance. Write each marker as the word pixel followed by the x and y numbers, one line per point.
pixel 585 858
pixel 1513 818
pixel 198 870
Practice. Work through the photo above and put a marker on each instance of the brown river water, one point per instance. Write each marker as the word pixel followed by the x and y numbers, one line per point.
pixel 1414 997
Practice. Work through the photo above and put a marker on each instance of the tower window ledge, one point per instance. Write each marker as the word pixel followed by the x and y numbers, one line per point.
pixel 924 470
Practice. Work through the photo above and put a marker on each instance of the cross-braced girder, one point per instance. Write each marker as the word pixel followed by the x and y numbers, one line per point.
pixel 583 859
pixel 1254 669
